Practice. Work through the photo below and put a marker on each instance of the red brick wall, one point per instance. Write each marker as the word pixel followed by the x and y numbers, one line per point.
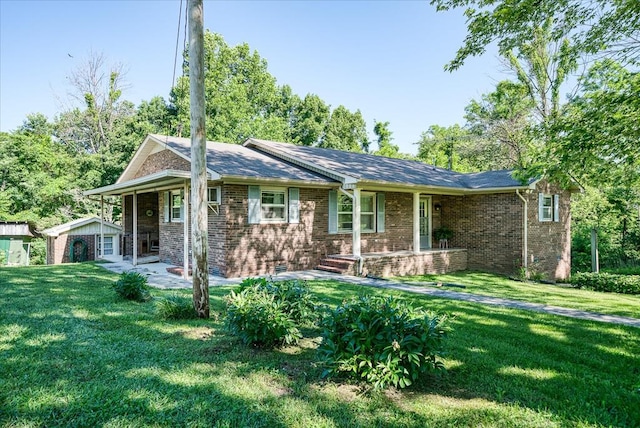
pixel 161 161
pixel 258 249
pixel 147 225
pixel 432 262
pixel 58 247
pixel 550 242
pixel 489 227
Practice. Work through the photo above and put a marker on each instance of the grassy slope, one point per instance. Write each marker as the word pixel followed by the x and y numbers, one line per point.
pixel 71 354
pixel 557 295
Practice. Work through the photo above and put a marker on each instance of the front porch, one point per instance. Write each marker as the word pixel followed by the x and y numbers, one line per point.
pixel 398 263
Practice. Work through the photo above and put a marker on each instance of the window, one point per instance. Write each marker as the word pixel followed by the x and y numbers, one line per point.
pixel 367 213
pixel 108 245
pixel 548 207
pixel 213 195
pixel 176 205
pixel 273 205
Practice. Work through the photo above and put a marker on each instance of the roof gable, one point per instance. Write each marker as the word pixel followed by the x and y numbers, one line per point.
pixel 109 228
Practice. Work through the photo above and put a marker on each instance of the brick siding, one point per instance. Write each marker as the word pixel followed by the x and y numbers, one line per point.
pixel 550 241
pixel 147 225
pixel 430 262
pixel 487 227
pixel 161 161
pixel 58 247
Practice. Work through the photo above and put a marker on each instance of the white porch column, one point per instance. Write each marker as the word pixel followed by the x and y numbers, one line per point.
pixel 356 223
pixel 185 205
pixel 134 212
pixel 101 255
pixel 416 222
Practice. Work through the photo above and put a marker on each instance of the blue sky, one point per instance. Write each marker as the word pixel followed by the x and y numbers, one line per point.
pixel 384 58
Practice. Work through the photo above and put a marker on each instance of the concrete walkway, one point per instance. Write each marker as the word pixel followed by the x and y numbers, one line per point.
pixel 158 277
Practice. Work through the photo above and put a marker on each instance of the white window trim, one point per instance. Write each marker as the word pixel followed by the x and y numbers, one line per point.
pixel 172 218
pixel 553 211
pixel 285 206
pixel 374 212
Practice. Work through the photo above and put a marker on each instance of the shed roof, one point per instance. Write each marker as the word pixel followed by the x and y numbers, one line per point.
pixel 15 228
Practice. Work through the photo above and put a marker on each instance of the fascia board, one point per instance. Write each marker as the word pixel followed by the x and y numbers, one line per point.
pixel 139 182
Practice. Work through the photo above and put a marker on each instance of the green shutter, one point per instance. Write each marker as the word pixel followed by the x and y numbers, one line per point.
pixel 540 204
pixel 166 207
pixel 333 211
pixel 294 205
pixel 254 204
pixel 380 220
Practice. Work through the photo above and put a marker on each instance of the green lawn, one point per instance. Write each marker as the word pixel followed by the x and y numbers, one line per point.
pixel 71 354
pixel 556 295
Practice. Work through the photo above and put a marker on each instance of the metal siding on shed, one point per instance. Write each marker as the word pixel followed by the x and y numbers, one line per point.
pixel 93 229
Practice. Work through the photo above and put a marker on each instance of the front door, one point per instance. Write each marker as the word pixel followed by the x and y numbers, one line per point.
pixel 425 223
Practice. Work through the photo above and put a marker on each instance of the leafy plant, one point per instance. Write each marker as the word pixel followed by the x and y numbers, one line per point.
pixel 608 282
pixel 175 307
pixel 443 233
pixel 382 340
pixel 294 296
pixel 266 313
pixel 132 286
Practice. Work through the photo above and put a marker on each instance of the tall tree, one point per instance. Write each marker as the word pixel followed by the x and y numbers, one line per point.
pixel 345 131
pixel 592 26
pixel 445 147
pixel 598 133
pixel 241 94
pixel 501 120
pixel 310 118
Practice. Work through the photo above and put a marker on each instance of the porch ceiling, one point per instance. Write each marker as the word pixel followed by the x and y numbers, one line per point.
pixel 148 183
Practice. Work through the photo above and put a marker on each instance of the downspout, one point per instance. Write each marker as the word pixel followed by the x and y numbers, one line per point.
pixel 525 232
pixel 358 257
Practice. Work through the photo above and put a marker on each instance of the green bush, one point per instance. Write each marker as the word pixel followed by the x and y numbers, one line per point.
pixel 382 340
pixel 132 286
pixel 266 313
pixel 176 307
pixel 608 282
pixel 294 296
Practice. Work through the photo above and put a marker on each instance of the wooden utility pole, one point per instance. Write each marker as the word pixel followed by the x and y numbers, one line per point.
pixel 199 228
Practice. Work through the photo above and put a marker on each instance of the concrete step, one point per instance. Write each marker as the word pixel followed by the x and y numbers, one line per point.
pixel 330 269
pixel 337 263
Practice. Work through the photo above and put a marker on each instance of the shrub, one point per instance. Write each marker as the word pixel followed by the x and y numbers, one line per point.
pixel 382 340
pixel 266 313
pixel 608 282
pixel 294 296
pixel 132 286
pixel 176 307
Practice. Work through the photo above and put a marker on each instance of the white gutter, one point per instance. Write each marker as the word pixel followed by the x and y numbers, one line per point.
pixel 525 232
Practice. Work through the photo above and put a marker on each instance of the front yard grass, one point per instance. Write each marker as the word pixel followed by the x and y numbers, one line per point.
pixel 549 294
pixel 71 354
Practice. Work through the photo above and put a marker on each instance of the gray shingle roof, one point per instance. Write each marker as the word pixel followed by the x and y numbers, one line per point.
pixel 382 169
pixel 238 161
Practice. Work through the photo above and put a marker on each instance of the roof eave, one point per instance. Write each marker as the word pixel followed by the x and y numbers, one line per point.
pixel 146 182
